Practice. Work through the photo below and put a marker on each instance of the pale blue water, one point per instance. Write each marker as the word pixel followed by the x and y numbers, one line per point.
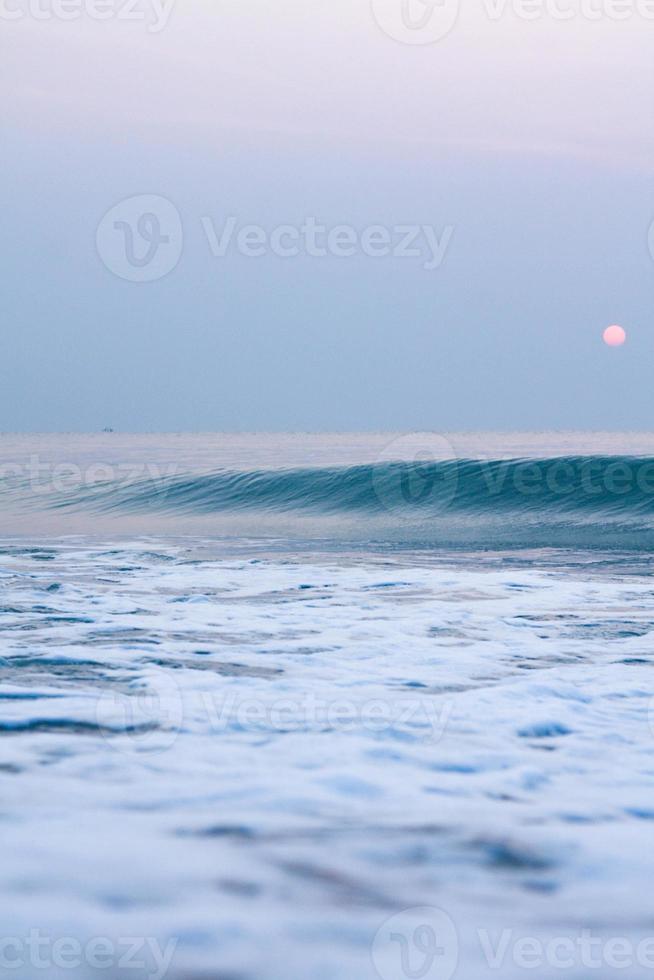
pixel 326 707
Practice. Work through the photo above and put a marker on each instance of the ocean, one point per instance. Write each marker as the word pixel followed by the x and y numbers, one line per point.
pixel 327 707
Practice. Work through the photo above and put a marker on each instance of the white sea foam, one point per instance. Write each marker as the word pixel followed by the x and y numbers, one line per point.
pixel 263 758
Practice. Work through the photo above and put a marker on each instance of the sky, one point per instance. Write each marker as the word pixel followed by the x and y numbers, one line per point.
pixel 355 215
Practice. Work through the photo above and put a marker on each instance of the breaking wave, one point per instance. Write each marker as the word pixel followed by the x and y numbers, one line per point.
pixel 575 501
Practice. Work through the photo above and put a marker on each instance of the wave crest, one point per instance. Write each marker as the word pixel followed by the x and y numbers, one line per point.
pixel 601 486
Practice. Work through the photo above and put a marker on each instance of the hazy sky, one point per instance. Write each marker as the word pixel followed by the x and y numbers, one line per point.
pixel 513 156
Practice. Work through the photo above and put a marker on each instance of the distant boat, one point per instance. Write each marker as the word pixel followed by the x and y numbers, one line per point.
pixel 107 429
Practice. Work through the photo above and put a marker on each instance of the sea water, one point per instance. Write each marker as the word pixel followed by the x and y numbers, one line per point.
pixel 326 707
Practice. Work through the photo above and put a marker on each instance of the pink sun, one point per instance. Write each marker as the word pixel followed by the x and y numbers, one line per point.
pixel 614 336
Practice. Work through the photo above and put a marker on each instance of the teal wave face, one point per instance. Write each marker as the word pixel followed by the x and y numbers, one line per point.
pixel 574 501
pixel 609 486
